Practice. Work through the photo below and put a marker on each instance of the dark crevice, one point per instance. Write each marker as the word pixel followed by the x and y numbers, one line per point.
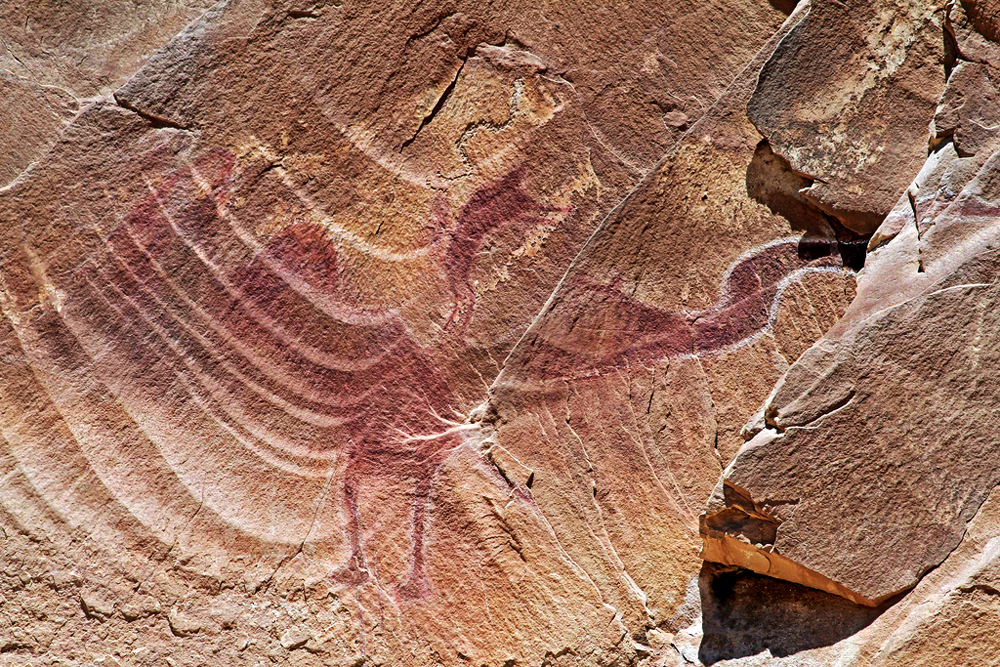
pixel 811 248
pixel 271 167
pixel 786 7
pixel 952 53
pixel 851 246
pixel 913 209
pixel 153 119
pixel 771 181
pixel 744 614
pixel 916 223
pixel 437 108
pixel 853 251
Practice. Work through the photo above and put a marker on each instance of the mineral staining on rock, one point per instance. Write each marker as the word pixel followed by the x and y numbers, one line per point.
pixel 419 333
pixel 254 301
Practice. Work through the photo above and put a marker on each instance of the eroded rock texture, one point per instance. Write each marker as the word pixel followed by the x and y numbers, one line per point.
pixel 419 333
pixel 839 487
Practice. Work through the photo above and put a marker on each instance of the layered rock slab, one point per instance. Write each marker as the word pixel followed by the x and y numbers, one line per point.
pixel 918 340
pixel 758 621
pixel 846 99
pixel 626 395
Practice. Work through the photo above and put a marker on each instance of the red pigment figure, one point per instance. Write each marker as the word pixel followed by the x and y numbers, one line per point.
pixel 258 352
pixel 597 326
pixel 493 207
pixel 232 307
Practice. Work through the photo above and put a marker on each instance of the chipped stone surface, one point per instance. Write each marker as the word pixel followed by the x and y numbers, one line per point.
pixel 838 488
pixel 846 100
pixel 418 333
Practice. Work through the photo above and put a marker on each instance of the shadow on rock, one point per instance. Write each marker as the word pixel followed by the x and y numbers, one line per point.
pixel 744 613
pixel 786 7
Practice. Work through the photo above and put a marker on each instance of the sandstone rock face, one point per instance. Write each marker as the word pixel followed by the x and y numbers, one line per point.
pixel 845 99
pixel 57 56
pixel 838 487
pixel 419 333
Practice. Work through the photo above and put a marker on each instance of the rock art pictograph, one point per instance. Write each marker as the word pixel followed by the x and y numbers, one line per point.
pixel 419 333
pixel 627 331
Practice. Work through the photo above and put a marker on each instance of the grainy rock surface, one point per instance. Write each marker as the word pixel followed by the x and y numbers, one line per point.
pixel 838 487
pixel 419 333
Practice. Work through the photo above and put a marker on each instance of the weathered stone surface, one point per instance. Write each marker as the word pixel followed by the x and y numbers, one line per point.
pixel 840 488
pixel 626 394
pixel 418 333
pixel 85 48
pixel 58 55
pixel 255 299
pixel 33 117
pixel 846 100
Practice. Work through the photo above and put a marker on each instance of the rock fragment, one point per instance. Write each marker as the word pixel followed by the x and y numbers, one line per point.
pixel 860 497
pixel 846 100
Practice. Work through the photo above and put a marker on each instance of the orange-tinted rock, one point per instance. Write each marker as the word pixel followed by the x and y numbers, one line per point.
pixel 254 302
pixel 418 333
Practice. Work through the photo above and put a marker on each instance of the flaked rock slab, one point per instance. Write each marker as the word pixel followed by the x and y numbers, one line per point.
pixel 879 445
pixel 846 100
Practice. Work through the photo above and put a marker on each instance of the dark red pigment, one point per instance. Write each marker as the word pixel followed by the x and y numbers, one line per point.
pixel 594 326
pixel 206 321
pixel 498 206
pixel 180 292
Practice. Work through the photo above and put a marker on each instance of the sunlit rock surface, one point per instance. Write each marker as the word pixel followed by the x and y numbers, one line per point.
pixel 420 333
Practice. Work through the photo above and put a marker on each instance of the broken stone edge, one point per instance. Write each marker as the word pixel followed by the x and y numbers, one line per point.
pixel 737 531
pixel 725 549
